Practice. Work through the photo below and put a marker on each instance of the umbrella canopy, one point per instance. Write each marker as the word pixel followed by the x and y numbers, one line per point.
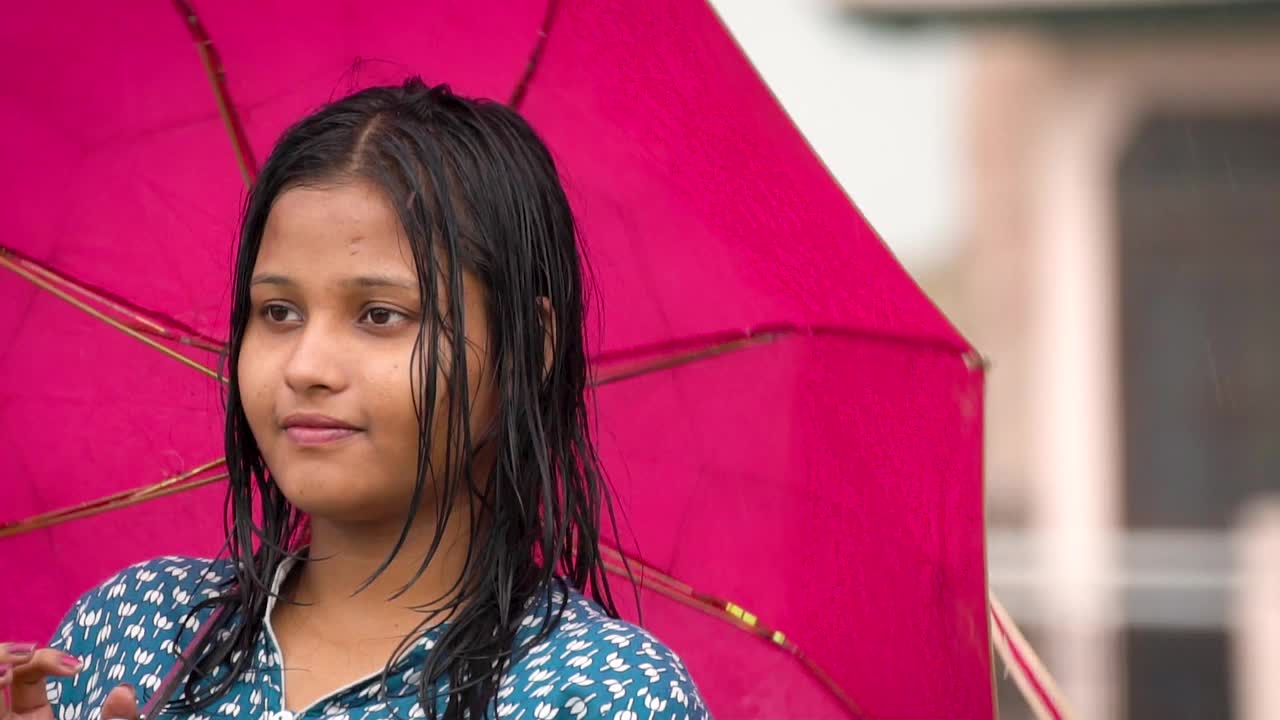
pixel 794 431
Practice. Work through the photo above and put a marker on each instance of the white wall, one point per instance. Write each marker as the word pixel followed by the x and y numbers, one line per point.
pixel 883 108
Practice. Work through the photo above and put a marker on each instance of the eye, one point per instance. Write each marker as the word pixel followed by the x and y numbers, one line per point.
pixel 383 317
pixel 280 313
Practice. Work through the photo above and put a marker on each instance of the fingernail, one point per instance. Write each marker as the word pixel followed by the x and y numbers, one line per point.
pixel 68 662
pixel 22 649
pixel 4 671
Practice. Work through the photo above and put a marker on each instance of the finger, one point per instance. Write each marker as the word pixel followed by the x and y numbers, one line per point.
pixel 121 704
pixel 16 653
pixel 27 691
pixel 11 654
pixel 6 677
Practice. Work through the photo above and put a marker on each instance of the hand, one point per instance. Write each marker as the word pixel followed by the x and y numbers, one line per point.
pixel 23 671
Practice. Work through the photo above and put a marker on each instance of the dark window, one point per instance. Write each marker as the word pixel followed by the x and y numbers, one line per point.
pixel 1198 206
pixel 1177 675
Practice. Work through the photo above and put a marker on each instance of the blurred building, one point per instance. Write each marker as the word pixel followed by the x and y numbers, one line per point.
pixel 1120 267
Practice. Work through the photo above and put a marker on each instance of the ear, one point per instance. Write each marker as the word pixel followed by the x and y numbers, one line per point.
pixel 548 335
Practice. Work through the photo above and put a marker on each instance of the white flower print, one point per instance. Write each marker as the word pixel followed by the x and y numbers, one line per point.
pixel 575 646
pixel 615 663
pixel 652 673
pixel 649 652
pixel 542 691
pixel 654 703
pixel 578 706
pixel 590 667
pixel 616 689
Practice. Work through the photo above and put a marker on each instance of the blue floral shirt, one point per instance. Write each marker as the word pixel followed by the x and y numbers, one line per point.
pixel 590 667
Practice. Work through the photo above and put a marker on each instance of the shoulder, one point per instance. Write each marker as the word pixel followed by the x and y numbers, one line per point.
pixel 594 664
pixel 124 629
pixel 157 589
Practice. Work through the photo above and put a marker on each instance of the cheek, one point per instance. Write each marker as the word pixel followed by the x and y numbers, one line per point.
pixel 254 373
pixel 388 399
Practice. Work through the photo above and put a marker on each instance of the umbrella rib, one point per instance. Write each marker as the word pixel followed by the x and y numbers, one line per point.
pixel 1030 675
pixel 535 57
pixel 212 63
pixel 654 579
pixel 666 362
pixel 784 329
pixel 619 365
pixel 135 333
pixel 188 480
pixel 137 318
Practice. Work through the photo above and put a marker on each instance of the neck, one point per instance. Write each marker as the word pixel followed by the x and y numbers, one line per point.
pixel 342 557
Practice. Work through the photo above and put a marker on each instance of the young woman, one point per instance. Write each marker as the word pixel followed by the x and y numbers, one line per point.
pixel 415 504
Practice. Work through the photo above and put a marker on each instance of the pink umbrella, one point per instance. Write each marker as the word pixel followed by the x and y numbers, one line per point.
pixel 793 429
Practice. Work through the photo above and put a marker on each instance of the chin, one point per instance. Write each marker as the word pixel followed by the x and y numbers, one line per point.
pixel 330 496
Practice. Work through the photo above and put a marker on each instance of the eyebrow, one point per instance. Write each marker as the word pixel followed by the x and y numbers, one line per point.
pixel 358 281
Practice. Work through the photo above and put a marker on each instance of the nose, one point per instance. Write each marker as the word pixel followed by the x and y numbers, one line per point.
pixel 316 363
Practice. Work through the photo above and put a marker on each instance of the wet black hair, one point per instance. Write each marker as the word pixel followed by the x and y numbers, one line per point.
pixel 476 191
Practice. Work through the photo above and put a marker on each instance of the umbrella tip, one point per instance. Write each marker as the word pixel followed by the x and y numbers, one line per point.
pixel 974 360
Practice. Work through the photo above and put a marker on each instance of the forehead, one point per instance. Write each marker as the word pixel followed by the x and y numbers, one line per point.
pixel 337 228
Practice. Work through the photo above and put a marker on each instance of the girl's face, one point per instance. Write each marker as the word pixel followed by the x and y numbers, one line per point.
pixel 326 358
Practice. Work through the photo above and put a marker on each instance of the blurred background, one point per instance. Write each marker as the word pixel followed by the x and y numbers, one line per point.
pixel 1090 189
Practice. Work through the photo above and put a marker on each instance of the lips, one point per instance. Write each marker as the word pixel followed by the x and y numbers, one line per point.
pixel 312 430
